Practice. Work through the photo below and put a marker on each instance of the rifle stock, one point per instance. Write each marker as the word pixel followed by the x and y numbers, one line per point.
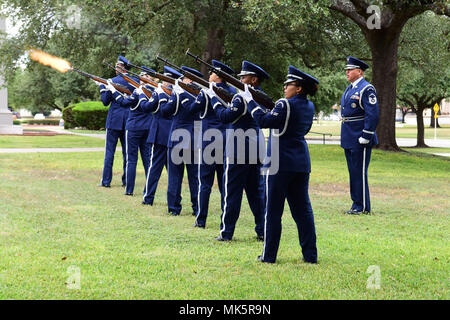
pixel 221 92
pixel 118 87
pixel 259 96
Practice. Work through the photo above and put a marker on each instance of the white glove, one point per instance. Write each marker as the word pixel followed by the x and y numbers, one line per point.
pixel 210 92
pixel 246 94
pixel 363 140
pixel 159 89
pixel 177 89
pixel 139 90
pixel 110 86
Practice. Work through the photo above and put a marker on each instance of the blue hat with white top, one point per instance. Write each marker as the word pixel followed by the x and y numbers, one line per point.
pixel 146 71
pixel 249 68
pixel 123 61
pixel 223 67
pixel 296 75
pixel 191 70
pixel 170 72
pixel 353 63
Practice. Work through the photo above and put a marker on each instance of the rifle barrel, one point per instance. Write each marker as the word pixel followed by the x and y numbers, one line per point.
pixel 259 96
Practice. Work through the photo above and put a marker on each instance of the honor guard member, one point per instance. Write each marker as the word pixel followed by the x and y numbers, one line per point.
pixel 206 171
pixel 241 171
pixel 289 121
pixel 184 146
pixel 136 132
pixel 115 123
pixel 360 114
pixel 158 136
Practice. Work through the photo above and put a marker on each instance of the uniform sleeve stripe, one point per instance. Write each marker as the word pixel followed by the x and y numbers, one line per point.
pixel 369 132
pixel 257 108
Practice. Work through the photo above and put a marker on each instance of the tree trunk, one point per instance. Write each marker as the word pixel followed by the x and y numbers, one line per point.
pixel 384 47
pixel 420 128
pixel 404 115
pixel 215 47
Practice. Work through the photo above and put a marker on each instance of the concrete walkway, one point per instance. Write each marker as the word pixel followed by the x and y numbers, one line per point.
pixel 401 142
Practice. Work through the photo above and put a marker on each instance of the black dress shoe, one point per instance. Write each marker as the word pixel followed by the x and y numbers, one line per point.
pixel 198 225
pixel 220 238
pixel 104 185
pixel 173 213
pixel 260 259
pixel 260 237
pixel 308 261
pixel 193 213
pixel 146 203
pixel 354 212
pixel 124 185
pixel 128 193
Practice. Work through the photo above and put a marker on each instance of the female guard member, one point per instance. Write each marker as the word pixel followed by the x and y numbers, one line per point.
pixel 289 121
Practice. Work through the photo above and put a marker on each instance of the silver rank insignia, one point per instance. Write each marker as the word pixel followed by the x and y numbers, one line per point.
pixel 372 98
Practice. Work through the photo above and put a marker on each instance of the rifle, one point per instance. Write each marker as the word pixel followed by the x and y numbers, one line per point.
pixel 130 80
pixel 118 87
pixel 192 89
pixel 157 75
pixel 259 96
pixel 221 92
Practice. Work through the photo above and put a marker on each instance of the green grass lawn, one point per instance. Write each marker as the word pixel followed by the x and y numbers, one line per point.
pixel 57 141
pixel 55 221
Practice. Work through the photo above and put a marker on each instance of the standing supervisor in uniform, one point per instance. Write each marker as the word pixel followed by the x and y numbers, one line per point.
pixel 115 124
pixel 206 171
pixel 292 118
pixel 360 114
pixel 136 132
pixel 158 136
pixel 241 172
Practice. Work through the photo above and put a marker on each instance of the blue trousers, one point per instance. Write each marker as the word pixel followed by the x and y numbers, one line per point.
pixel 292 186
pixel 206 174
pixel 358 160
pixel 176 173
pixel 158 159
pixel 236 179
pixel 136 140
pixel 112 136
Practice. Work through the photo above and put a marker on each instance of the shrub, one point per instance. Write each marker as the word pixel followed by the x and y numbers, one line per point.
pixel 67 115
pixel 90 115
pixel 47 122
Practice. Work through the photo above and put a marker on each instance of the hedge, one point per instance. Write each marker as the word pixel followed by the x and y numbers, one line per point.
pixel 47 122
pixel 90 115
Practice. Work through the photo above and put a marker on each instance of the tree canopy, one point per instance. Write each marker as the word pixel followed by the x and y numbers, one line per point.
pixel 315 36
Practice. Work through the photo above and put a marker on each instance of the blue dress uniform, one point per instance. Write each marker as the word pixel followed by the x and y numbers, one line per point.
pixel 158 138
pixel 293 119
pixel 184 147
pixel 241 171
pixel 360 115
pixel 115 126
pixel 206 170
pixel 136 134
